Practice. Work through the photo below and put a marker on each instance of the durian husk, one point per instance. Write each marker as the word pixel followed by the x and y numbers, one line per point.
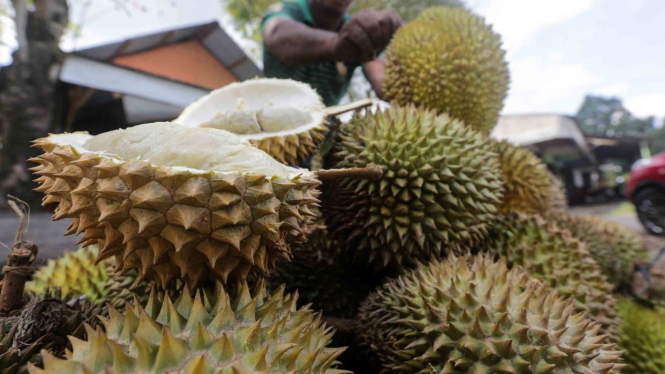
pixel 615 247
pixel 556 199
pixel 206 334
pixel 526 181
pixel 293 149
pixel 44 324
pixel 322 278
pixel 175 223
pixel 642 337
pixel 77 272
pixel 450 60
pixel 555 256
pixel 441 186
pixel 473 315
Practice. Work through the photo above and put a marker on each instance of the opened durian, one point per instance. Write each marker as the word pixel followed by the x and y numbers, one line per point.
pixel 527 184
pixel 615 247
pixel 284 118
pixel 642 337
pixel 552 254
pixel 473 315
pixel 441 186
pixel 254 333
pixel 77 272
pixel 449 60
pixel 174 202
pixel 44 323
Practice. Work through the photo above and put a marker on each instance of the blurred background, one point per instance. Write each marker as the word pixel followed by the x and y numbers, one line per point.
pixel 586 92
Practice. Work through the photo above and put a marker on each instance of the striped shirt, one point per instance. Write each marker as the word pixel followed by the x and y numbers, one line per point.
pixel 330 79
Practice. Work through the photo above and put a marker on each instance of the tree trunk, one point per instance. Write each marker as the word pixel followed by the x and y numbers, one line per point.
pixel 27 89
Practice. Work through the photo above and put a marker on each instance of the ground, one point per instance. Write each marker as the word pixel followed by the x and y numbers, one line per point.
pixel 48 235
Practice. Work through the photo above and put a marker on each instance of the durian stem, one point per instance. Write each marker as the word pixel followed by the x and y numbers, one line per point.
pixel 18 268
pixel 342 325
pixel 339 109
pixel 373 173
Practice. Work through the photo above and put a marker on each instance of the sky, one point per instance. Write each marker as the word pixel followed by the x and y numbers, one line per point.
pixel 558 51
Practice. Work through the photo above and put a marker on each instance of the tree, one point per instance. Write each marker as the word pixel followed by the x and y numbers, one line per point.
pixel 607 116
pixel 408 9
pixel 658 140
pixel 27 89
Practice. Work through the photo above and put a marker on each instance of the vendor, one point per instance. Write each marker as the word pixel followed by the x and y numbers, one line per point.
pixel 318 43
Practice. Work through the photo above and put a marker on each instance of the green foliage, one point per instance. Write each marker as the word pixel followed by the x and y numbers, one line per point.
pixel 408 9
pixel 248 14
pixel 607 116
pixel 657 144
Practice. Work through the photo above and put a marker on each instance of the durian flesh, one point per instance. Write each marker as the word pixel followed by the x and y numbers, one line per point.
pixel 207 334
pixel 284 118
pixel 471 315
pixel 171 202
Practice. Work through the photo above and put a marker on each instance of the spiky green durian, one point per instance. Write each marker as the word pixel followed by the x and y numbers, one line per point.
pixel 44 323
pixel 175 203
pixel 615 247
pixel 642 338
pixel 473 315
pixel 322 278
pixel 525 179
pixel 556 199
pixel 448 59
pixel 440 186
pixel 76 271
pixel 552 254
pixel 208 334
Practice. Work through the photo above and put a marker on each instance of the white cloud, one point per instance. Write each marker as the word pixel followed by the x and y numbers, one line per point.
pixel 652 104
pixel 614 89
pixel 538 84
pixel 518 20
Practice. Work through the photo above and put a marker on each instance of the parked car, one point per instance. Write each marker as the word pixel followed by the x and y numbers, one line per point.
pixel 646 189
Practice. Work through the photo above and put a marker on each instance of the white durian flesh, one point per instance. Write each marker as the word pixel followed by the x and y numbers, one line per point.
pixel 170 144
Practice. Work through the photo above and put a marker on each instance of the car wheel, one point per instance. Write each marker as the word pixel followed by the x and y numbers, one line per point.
pixel 650 206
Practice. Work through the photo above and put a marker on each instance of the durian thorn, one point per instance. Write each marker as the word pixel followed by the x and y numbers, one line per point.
pixel 339 109
pixel 373 173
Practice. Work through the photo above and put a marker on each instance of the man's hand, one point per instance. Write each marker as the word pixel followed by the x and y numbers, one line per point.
pixel 366 35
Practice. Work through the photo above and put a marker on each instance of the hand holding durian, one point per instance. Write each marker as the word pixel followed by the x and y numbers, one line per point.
pixel 439 249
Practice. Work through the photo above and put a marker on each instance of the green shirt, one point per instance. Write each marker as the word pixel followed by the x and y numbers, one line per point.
pixel 330 79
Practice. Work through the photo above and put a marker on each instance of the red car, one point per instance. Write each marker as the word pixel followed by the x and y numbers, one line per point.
pixel 646 189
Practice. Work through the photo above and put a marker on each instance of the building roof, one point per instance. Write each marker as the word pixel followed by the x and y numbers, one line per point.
pixel 160 73
pixel 535 129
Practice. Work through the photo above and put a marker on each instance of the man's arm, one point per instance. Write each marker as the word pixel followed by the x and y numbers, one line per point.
pixel 373 71
pixel 296 44
pixel 361 39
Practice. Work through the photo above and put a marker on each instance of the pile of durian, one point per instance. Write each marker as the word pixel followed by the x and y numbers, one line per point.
pixel 206 249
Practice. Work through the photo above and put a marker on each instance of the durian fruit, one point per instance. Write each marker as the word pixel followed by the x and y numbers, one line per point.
pixel 77 272
pixel 450 60
pixel 44 324
pixel 322 278
pixel 526 180
pixel 473 315
pixel 615 247
pixel 283 117
pixel 208 334
pixel 173 202
pixel 553 255
pixel 441 185
pixel 642 338
pixel 556 198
